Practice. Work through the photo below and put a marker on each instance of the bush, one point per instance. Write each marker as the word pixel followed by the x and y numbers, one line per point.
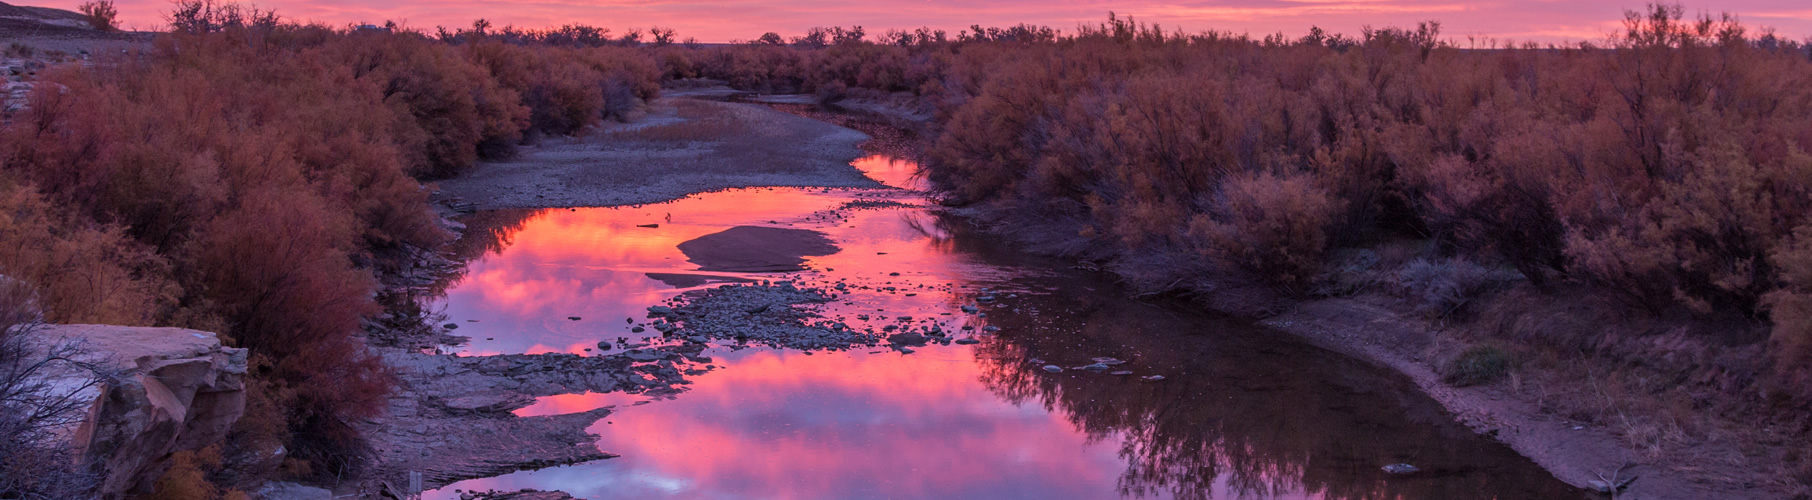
pixel 35 461
pixel 1790 308
pixel 1476 365
pixel 451 111
pixel 101 14
pixel 1442 286
pixel 1270 226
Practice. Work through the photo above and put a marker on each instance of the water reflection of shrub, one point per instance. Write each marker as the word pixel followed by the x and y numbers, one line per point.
pixel 1261 417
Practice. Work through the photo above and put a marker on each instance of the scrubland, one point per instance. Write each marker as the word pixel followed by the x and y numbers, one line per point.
pixel 1619 229
pixel 256 177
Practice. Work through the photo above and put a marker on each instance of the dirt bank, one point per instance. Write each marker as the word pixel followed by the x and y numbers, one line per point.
pixel 681 146
pixel 1570 413
pixel 454 418
pixel 1576 452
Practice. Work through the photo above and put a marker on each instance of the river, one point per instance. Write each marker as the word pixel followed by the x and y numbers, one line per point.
pixel 1213 408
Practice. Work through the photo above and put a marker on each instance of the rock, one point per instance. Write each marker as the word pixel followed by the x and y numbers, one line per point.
pixel 903 350
pixel 176 390
pixel 291 491
pixel 574 318
pixel 1121 372
pixel 603 345
pixel 1153 378
pixel 638 330
pixel 757 249
pixel 990 328
pixel 1053 368
pixel 967 341
pixel 1097 367
pixel 659 310
pixel 907 339
pixel 450 326
pixel 1400 469
pixel 488 402
pixel 971 309
pixel 1108 361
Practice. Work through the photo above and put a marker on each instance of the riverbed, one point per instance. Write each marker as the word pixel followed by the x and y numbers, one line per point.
pixel 1190 405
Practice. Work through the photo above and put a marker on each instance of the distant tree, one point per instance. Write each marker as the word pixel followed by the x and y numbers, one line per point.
pixel 631 39
pixel 770 38
pixel 101 15
pixel 662 36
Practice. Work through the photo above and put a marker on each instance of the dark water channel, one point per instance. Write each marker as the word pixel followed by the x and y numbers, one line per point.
pixel 1241 412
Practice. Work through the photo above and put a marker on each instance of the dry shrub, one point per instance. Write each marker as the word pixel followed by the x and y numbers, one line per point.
pixel 1476 365
pixel 1274 227
pixel 231 180
pixel 101 14
pixel 1790 308
pixel 451 111
pixel 187 479
pixel 1441 287
pixel 567 90
pixel 84 272
pixel 36 460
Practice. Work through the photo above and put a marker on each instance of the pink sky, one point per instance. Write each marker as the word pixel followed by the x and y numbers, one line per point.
pixel 726 20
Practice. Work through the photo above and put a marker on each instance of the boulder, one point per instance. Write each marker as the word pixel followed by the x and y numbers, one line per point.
pixel 170 390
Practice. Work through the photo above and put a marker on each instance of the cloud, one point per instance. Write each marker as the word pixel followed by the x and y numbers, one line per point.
pixel 726 20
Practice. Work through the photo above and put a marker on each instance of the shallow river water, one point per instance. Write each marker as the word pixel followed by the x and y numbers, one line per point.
pixel 1240 412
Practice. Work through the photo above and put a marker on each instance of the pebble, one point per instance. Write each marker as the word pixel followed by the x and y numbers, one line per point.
pixel 1121 372
pixel 967 341
pixel 574 318
pixel 1153 377
pixel 1400 469
pixel 990 328
pixel 450 326
pixel 1053 368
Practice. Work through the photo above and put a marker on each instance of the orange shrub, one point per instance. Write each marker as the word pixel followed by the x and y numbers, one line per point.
pixel 1274 227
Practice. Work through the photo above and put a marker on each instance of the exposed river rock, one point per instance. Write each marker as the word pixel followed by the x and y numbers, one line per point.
pixel 168 390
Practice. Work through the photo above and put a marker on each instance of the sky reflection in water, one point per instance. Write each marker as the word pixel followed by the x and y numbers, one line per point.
pixel 1241 413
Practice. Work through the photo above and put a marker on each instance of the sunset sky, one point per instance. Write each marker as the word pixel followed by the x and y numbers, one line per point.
pixel 727 20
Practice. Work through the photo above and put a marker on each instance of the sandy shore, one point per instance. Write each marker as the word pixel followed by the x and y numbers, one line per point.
pixel 681 146
pixel 1574 452
pixel 453 417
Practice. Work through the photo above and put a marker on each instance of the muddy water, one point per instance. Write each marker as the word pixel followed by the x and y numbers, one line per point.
pixel 1240 412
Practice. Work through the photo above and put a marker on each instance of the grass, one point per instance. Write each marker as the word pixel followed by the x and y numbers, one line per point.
pixel 1481 364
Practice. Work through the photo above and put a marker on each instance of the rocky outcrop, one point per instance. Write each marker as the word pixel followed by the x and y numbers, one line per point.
pixel 168 390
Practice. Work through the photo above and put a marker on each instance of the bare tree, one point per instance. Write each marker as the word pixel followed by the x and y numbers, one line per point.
pixel 36 461
pixel 101 15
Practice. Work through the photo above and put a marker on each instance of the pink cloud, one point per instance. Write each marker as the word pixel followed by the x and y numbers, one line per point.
pixel 725 20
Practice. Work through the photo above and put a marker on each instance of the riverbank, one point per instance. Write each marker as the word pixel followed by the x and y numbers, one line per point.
pixel 1366 327
pixel 679 146
pixel 454 417
pixel 1636 402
